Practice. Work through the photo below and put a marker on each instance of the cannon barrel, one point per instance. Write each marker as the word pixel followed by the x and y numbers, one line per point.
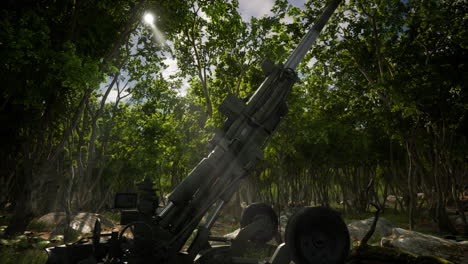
pixel 236 147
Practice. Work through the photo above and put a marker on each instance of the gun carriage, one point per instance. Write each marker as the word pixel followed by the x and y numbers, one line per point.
pixel 313 235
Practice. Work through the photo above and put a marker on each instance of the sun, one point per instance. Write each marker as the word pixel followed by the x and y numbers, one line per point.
pixel 149 18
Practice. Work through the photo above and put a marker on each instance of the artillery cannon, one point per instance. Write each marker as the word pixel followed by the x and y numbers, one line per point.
pixel 313 235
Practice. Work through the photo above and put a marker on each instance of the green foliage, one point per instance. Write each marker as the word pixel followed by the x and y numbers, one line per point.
pixel 27 248
pixel 73 236
pixel 113 216
pixel 383 76
pixel 29 256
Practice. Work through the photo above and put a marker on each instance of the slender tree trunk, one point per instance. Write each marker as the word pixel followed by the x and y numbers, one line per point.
pixel 410 187
pixel 69 196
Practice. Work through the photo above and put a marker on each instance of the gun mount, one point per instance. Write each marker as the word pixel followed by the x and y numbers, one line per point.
pixel 158 235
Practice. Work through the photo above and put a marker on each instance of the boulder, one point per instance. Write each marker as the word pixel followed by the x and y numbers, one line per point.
pixel 358 229
pixel 457 220
pixel 422 244
pixel 283 220
pixel 286 213
pixel 81 222
pixel 53 218
pixel 459 224
pixel 393 198
pixel 366 254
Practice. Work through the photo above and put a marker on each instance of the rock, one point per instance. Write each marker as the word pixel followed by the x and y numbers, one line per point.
pixel 386 255
pixel 358 229
pixel 285 215
pixel 52 218
pixel 284 220
pixel 58 238
pixel 458 219
pixel 42 244
pixel 81 222
pixel 422 244
pixel 393 198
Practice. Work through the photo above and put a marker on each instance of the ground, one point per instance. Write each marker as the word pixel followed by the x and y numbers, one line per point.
pixel 29 247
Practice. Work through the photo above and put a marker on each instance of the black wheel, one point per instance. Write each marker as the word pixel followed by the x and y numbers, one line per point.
pixel 255 210
pixel 317 235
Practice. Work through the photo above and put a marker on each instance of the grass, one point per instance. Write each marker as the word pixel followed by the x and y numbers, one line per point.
pixel 11 255
pixel 224 226
pixel 74 236
pixel 114 216
pixel 396 217
pixel 23 249
pixel 258 251
pixel 29 248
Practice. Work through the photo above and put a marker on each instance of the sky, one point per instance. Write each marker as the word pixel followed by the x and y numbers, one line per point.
pixel 259 8
pixel 247 9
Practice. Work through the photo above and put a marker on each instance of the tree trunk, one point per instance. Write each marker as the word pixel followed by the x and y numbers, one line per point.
pixel 22 214
pixel 411 191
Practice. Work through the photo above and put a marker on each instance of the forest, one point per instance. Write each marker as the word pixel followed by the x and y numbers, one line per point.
pixel 94 99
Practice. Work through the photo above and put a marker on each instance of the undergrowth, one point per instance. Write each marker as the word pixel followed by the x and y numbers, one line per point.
pixel 11 255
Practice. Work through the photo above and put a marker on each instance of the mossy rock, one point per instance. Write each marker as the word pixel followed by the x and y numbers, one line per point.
pixel 42 244
pixel 10 255
pixel 56 238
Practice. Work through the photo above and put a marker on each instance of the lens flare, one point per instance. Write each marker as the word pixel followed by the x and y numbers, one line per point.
pixel 157 34
pixel 149 18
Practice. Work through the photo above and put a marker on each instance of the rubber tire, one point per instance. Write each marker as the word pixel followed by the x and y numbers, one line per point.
pixel 312 228
pixel 252 211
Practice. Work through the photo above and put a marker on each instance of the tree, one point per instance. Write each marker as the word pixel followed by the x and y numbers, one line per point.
pixel 54 57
